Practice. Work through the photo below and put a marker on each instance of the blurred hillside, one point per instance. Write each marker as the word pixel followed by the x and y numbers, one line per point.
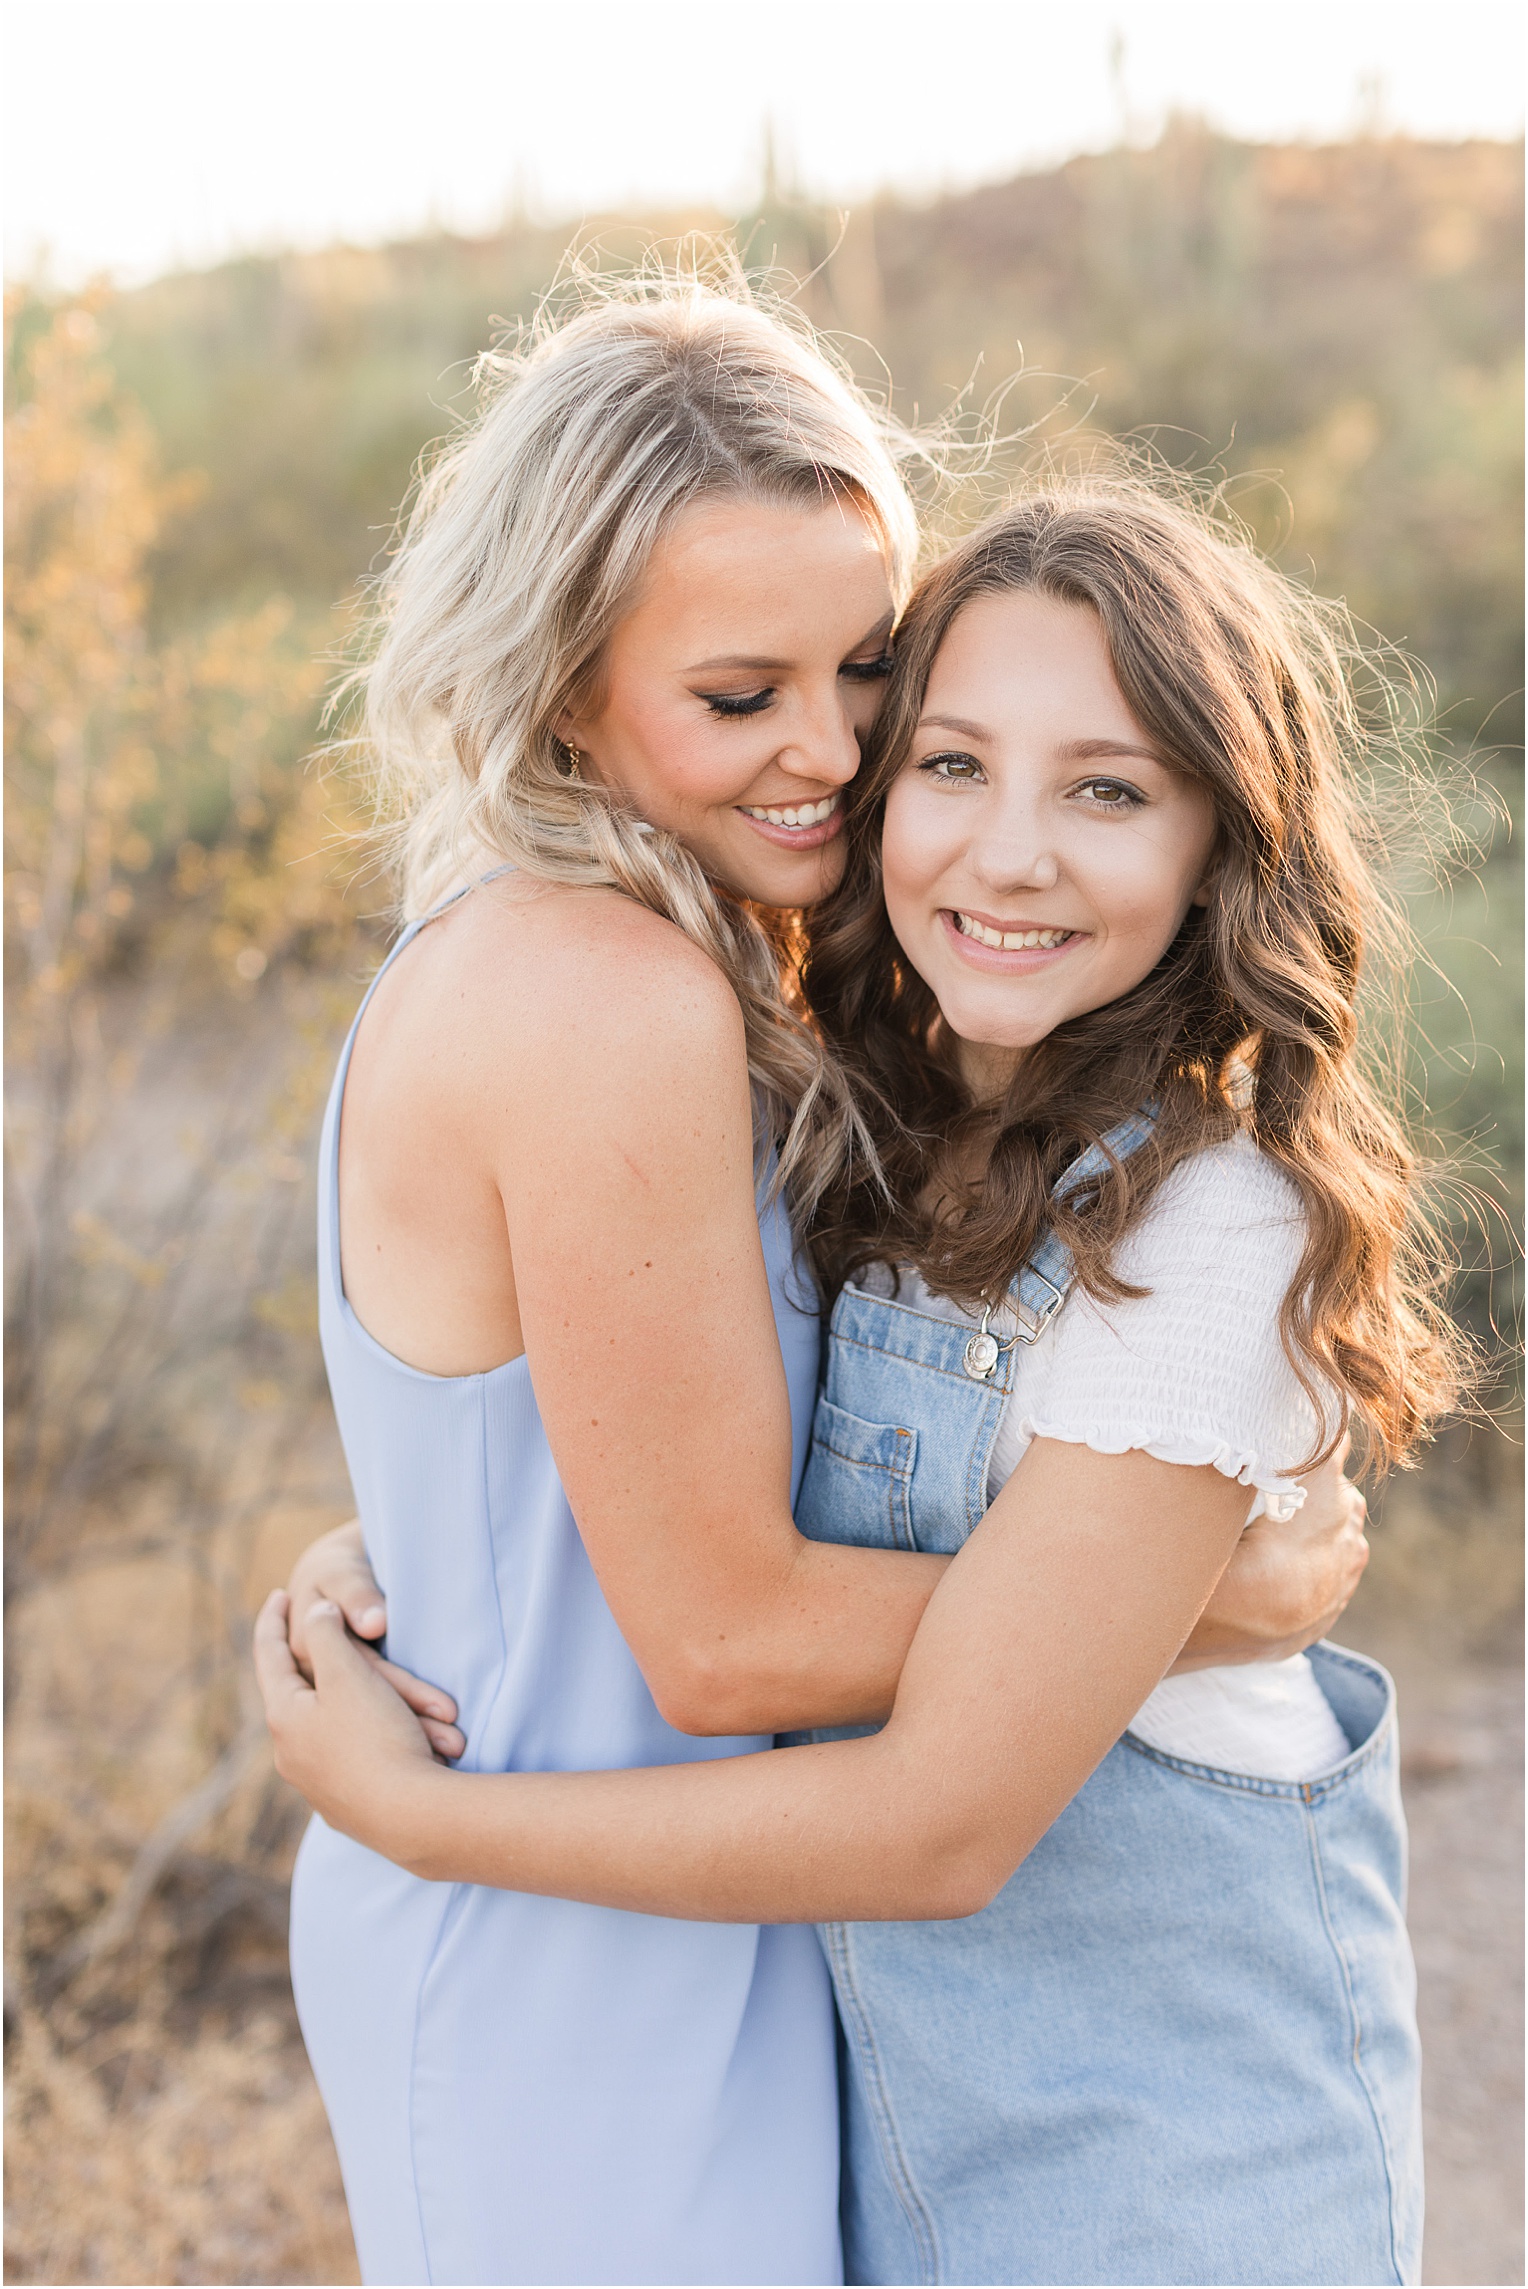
pixel 1349 318
pixel 1339 329
pixel 199 474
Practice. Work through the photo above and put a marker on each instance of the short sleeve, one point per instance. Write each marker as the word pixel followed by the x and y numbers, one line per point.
pixel 1195 1371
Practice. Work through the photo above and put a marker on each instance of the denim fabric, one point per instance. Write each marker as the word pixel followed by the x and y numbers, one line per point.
pixel 1180 2045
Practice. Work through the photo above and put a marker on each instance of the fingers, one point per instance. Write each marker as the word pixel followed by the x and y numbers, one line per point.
pixel 1352 1555
pixel 1355 1543
pixel 336 1567
pixel 342 1573
pixel 425 1700
pixel 273 1654
pixel 340 1665
pixel 435 1710
pixel 334 1656
pixel 1358 1553
pixel 280 1680
pixel 448 1741
pixel 1329 1476
pixel 360 1601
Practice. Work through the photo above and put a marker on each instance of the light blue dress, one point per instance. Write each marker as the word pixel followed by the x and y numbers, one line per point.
pixel 524 2089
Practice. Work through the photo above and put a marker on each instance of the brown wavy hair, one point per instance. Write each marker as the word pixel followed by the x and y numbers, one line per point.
pixel 1249 1022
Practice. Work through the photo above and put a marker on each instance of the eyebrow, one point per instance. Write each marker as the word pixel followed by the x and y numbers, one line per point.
pixel 757 662
pixel 1089 750
pixel 1070 750
pixel 956 723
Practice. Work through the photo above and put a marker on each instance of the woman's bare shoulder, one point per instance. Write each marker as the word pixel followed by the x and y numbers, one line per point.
pixel 555 984
pixel 567 940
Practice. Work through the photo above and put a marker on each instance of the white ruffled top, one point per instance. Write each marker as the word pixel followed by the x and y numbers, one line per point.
pixel 1194 1372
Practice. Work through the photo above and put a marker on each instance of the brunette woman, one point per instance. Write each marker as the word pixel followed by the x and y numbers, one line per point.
pixel 1118 2009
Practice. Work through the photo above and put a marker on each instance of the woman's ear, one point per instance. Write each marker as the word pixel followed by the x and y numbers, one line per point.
pixel 571 731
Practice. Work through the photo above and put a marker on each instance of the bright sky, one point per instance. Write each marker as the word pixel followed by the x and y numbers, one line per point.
pixel 145 134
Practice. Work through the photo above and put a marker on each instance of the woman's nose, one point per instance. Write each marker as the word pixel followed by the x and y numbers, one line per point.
pixel 1017 864
pixel 825 745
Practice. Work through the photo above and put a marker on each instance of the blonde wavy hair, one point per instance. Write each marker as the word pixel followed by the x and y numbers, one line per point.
pixel 526 542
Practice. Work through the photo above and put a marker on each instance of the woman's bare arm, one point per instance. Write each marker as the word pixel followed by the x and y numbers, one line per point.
pixel 586 1063
pixel 548 1118
pixel 625 1163
pixel 1046 1634
pixel 1286 1584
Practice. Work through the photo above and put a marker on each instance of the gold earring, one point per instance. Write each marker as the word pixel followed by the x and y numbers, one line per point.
pixel 573 762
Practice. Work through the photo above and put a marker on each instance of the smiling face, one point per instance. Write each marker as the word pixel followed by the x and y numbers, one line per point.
pixel 1038 855
pixel 734 696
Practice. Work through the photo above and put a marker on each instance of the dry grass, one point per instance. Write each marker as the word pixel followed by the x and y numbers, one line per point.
pixel 163 2125
pixel 210 2163
pixel 1442 1607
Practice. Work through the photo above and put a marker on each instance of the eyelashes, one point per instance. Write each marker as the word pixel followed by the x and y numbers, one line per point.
pixel 956 769
pixel 1131 798
pixel 936 767
pixel 745 703
pixel 735 704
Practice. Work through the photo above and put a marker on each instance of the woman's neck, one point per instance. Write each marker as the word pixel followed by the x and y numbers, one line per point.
pixel 987 1069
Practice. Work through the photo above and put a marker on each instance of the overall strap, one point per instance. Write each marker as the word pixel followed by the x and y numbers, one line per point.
pixel 1042 1286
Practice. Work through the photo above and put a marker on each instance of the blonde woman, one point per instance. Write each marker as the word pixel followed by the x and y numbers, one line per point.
pixel 628 652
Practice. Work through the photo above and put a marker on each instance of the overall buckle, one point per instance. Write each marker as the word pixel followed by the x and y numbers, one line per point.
pixel 1033 1320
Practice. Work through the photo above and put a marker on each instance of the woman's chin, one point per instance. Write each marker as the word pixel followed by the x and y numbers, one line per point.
pixel 769 876
pixel 995 1037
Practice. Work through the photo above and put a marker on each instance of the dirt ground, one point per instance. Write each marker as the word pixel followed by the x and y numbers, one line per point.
pixel 1462 1777
pixel 164 2126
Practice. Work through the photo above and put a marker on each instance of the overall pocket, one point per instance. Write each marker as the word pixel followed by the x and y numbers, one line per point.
pixel 857 1486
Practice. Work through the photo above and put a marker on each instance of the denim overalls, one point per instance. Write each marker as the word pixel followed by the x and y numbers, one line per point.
pixel 1180 2045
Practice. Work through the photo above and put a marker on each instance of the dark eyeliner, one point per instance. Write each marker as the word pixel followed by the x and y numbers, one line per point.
pixel 745 703
pixel 867 671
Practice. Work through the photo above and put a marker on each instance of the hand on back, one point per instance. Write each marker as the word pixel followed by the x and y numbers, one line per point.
pixel 1287 1581
pixel 335 1571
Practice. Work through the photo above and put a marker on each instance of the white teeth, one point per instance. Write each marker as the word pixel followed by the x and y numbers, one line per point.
pixel 1008 941
pixel 800 815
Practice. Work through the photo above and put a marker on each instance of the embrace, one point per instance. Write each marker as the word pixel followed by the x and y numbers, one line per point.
pixel 856 1226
